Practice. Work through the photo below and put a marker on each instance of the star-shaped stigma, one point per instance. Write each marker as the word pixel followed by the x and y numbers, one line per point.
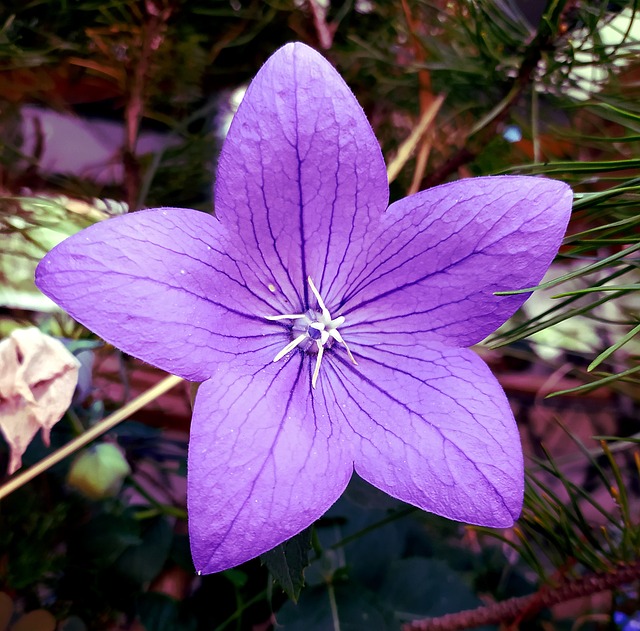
pixel 313 331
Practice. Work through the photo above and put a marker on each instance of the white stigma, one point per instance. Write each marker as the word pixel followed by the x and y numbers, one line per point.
pixel 313 327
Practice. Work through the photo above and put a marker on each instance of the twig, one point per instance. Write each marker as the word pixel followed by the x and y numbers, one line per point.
pixel 409 145
pixel 526 606
pixel 324 29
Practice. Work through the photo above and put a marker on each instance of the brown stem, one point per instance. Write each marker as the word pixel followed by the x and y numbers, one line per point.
pixel 526 606
pixel 424 78
pixel 151 38
pixel 426 98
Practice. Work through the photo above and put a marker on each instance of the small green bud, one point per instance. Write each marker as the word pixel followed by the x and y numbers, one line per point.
pixel 99 471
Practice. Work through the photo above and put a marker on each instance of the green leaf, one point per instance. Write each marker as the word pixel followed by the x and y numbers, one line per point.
pixel 613 348
pixel 590 290
pixel 419 587
pixel 72 623
pixel 106 537
pixel 159 612
pixel 334 608
pixel 143 562
pixel 287 562
pixel 596 384
pixel 576 273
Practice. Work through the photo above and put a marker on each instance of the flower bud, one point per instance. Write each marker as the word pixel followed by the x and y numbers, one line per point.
pixel 99 471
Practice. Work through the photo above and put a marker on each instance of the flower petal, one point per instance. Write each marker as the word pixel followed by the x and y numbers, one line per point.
pixel 161 286
pixel 432 427
pixel 440 255
pixel 264 462
pixel 301 176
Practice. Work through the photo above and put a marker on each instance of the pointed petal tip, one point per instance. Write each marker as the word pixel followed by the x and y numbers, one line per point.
pixel 463 460
pixel 497 512
pixel 504 518
pixel 286 55
pixel 446 250
pixel 296 48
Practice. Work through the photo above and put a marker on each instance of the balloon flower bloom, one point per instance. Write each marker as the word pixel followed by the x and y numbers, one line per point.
pixel 330 331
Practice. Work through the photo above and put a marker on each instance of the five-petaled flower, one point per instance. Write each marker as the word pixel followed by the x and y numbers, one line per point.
pixel 330 332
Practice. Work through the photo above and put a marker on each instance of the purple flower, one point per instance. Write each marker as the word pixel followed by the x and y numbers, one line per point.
pixel 330 335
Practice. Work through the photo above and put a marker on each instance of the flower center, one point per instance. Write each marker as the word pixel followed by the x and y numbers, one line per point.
pixel 313 330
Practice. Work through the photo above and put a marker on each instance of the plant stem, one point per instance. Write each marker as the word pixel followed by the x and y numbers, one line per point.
pixel 408 147
pixel 335 618
pixel 515 609
pixel 152 32
pixel 90 435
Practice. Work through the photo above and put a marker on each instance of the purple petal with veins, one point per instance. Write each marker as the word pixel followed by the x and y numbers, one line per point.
pixel 265 461
pixel 161 286
pixel 438 257
pixel 431 426
pixel 301 177
pixel 329 333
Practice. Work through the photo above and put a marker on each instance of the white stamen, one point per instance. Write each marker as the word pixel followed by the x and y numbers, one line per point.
pixel 335 334
pixel 316 370
pixel 290 346
pixel 322 323
pixel 286 316
pixel 325 312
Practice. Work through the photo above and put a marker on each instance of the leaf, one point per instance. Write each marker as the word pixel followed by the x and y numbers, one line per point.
pixel 73 623
pixel 576 273
pixel 595 384
pixel 419 587
pixel 365 495
pixel 358 538
pixel 333 608
pixel 613 348
pixel 106 537
pixel 142 562
pixel 287 562
pixel 159 612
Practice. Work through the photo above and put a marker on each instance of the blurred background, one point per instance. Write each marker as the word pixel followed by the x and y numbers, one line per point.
pixel 107 107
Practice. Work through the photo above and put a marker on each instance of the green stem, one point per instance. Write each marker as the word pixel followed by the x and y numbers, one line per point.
pixel 158 507
pixel 241 609
pixel 334 607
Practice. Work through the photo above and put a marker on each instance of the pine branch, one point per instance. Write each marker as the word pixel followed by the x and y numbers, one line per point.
pixel 515 609
pixel 542 42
